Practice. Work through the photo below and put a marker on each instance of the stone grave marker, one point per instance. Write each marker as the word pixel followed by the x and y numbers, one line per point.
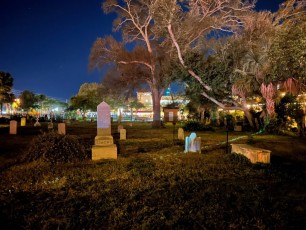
pixel 13 127
pixel 180 134
pixel 104 147
pixel 192 143
pixel 23 121
pixel 61 128
pixel 122 134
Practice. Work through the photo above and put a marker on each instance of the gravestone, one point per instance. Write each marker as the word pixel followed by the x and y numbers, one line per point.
pixel 192 143
pixel 253 153
pixel 23 121
pixel 120 127
pixel 104 147
pixel 122 134
pixel 180 134
pixel 13 127
pixel 61 128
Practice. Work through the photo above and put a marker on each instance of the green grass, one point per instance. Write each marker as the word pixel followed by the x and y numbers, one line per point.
pixel 153 184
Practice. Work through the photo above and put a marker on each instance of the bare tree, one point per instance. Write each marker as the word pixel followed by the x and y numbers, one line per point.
pixel 148 61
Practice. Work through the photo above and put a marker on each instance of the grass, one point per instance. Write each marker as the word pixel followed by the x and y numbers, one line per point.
pixel 153 184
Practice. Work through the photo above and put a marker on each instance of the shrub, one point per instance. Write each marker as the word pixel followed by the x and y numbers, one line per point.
pixel 55 148
pixel 239 159
pixel 141 167
pixel 196 126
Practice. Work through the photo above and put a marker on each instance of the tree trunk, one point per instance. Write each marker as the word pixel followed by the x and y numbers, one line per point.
pixel 249 117
pixel 156 108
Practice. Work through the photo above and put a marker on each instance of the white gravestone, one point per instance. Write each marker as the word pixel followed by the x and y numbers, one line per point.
pixel 13 127
pixel 192 143
pixel 61 128
pixel 122 134
pixel 180 134
pixel 104 147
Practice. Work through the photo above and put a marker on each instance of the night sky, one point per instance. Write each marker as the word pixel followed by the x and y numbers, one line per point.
pixel 45 44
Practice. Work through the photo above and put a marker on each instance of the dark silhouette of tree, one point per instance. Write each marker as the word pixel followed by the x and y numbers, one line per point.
pixel 6 84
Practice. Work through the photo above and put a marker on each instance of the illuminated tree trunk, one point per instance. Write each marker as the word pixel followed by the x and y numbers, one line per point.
pixel 156 96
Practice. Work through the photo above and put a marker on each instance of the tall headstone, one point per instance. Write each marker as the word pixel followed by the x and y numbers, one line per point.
pixel 122 134
pixel 23 121
pixel 180 134
pixel 13 127
pixel 61 128
pixel 104 147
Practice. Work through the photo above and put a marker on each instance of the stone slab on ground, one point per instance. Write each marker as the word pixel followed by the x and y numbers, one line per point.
pixel 254 154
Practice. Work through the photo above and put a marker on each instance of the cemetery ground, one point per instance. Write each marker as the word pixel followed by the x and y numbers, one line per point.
pixel 153 183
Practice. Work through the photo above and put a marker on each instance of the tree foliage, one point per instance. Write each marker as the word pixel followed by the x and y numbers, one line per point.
pixel 6 84
pixel 147 61
pixel 28 100
pixel 87 98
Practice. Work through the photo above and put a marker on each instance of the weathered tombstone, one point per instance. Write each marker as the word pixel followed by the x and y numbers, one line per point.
pixel 13 127
pixel 23 121
pixel 192 143
pixel 122 134
pixel 180 134
pixel 104 147
pixel 120 127
pixel 61 128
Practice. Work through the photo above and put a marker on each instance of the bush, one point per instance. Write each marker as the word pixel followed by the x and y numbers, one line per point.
pixel 196 126
pixel 55 148
pixel 239 159
pixel 141 167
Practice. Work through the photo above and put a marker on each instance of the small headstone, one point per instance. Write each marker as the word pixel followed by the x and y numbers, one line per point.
pixel 122 134
pixel 120 127
pixel 23 121
pixel 61 128
pixel 192 143
pixel 13 127
pixel 180 134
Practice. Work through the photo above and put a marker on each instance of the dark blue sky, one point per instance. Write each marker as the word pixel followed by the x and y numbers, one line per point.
pixel 45 44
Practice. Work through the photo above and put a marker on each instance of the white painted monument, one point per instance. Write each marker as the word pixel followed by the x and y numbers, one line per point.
pixel 13 127
pixel 104 147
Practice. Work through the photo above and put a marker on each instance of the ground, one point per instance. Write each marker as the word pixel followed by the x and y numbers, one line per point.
pixel 154 184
